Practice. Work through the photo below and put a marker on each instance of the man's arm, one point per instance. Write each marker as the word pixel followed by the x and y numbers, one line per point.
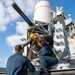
pixel 30 65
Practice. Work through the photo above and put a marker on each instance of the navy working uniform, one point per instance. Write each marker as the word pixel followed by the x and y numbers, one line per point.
pixel 47 57
pixel 16 64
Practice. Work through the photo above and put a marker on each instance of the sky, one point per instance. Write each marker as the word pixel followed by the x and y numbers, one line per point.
pixel 13 26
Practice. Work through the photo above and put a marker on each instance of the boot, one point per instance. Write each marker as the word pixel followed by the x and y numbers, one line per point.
pixel 46 70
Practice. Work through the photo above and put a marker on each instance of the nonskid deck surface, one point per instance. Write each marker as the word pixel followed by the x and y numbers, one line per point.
pixel 63 72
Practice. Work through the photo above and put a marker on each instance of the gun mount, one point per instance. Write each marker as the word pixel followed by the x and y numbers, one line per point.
pixel 41 28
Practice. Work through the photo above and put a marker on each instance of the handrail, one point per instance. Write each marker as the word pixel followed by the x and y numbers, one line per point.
pixel 2 73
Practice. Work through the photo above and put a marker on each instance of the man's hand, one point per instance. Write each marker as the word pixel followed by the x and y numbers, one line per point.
pixel 35 60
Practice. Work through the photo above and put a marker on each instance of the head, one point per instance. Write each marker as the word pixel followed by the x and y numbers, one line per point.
pixel 41 41
pixel 19 49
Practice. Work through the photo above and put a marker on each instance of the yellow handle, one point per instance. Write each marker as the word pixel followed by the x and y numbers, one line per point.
pixel 33 36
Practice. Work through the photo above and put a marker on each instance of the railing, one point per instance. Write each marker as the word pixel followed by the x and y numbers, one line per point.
pixel 2 73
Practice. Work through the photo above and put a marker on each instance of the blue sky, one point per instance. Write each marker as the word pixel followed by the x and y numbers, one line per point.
pixel 12 26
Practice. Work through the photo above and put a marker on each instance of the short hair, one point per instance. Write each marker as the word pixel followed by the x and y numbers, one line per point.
pixel 18 48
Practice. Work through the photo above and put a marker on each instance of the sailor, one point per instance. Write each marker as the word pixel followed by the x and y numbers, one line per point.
pixel 47 58
pixel 16 63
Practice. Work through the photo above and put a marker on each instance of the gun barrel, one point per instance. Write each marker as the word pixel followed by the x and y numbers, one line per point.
pixel 16 7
